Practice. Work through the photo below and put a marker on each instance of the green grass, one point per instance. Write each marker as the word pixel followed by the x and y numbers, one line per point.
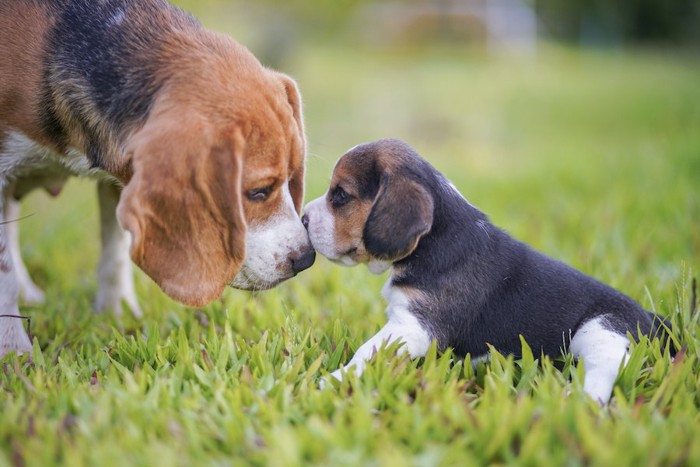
pixel 593 158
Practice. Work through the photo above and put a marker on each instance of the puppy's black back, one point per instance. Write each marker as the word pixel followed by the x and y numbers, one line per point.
pixel 543 299
pixel 482 286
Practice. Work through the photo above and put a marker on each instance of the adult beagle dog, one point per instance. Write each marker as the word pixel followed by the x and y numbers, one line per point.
pixel 456 278
pixel 199 149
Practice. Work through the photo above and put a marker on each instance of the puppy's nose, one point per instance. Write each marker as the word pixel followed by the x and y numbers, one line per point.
pixel 303 260
pixel 305 221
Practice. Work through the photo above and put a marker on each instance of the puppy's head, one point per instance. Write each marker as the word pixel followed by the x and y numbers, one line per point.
pixel 376 209
pixel 217 181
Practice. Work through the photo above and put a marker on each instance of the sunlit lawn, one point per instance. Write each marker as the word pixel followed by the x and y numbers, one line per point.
pixel 591 157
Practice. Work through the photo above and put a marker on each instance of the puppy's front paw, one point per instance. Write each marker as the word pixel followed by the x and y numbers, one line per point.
pixel 337 374
pixel 327 381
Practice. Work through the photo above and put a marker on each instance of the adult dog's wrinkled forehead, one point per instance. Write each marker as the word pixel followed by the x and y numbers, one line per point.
pixel 275 130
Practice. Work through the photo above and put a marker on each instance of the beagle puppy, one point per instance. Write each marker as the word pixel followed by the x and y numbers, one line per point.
pixel 199 148
pixel 456 278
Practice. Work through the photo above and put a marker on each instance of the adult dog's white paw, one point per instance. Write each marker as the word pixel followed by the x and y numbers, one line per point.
pixel 13 337
pixel 31 294
pixel 110 298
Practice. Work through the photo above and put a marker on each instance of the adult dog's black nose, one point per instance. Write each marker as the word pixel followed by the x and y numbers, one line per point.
pixel 303 260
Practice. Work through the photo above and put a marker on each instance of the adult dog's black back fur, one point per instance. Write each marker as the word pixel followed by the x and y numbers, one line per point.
pixel 104 90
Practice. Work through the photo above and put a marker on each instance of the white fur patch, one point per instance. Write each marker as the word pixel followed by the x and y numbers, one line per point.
pixel 480 358
pixel 21 156
pixel 349 150
pixel 377 266
pixel 402 326
pixel 454 188
pixel 28 290
pixel 13 337
pixel 322 230
pixel 269 246
pixel 602 352
pixel 117 18
pixel 114 272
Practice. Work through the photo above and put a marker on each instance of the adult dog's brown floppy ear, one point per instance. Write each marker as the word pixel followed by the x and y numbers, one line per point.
pixel 296 183
pixel 183 209
pixel 401 214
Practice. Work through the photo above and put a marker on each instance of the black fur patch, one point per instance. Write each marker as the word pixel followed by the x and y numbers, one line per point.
pixel 367 174
pixel 482 287
pixel 102 66
pixel 402 212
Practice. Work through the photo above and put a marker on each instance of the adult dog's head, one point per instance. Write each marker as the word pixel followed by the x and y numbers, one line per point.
pixel 216 177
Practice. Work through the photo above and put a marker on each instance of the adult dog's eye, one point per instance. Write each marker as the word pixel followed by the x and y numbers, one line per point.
pixel 339 197
pixel 258 195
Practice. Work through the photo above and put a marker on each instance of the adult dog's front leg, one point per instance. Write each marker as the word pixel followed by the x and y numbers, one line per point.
pixel 402 327
pixel 114 272
pixel 28 290
pixel 13 337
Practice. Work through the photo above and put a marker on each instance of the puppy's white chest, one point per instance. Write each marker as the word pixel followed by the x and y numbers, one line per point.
pixel 399 306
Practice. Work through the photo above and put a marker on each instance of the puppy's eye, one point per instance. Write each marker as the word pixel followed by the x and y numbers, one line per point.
pixel 339 197
pixel 259 195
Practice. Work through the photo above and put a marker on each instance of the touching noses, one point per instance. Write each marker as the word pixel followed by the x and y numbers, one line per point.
pixel 304 258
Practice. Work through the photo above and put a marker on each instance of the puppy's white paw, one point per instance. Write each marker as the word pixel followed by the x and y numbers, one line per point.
pixel 326 380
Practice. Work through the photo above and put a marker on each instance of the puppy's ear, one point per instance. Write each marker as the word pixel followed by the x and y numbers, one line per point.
pixel 296 183
pixel 183 209
pixel 402 213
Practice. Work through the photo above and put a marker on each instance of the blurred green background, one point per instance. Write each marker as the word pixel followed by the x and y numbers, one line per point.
pixel 575 125
pixel 586 146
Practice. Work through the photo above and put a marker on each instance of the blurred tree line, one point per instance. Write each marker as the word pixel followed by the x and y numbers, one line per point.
pixel 588 22
pixel 628 21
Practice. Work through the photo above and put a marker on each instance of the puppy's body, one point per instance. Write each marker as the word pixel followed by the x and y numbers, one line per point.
pixel 459 280
pixel 478 285
pixel 205 145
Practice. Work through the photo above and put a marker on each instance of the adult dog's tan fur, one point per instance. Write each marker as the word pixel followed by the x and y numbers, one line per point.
pixel 206 142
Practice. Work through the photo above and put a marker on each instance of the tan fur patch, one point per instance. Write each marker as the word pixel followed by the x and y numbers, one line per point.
pixel 233 89
pixel 222 125
pixel 20 67
pixel 225 95
pixel 350 219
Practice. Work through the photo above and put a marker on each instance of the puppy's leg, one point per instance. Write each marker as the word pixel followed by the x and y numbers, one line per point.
pixel 402 327
pixel 602 351
pixel 28 290
pixel 114 273
pixel 13 338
